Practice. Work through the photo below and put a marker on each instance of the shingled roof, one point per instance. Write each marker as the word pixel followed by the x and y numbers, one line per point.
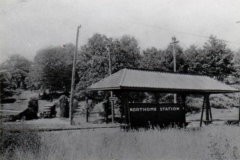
pixel 145 80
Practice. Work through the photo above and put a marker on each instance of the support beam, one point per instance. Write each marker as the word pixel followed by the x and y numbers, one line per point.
pixel 86 107
pixel 204 99
pixel 207 106
pixel 112 107
pixel 122 106
pixel 184 106
pixel 157 97
pixel 125 98
pixel 128 111
pixel 210 111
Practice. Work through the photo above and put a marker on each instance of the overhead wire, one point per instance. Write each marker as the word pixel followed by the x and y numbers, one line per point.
pixel 181 32
pixel 171 30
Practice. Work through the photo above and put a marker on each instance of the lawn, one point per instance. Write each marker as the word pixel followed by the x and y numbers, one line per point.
pixel 210 142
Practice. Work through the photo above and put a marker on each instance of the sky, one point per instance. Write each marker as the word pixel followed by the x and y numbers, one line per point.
pixel 27 26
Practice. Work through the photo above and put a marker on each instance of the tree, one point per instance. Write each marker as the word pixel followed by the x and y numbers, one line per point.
pixel 237 65
pixel 93 61
pixel 163 59
pixel 194 60
pixel 168 58
pixel 53 67
pixel 5 84
pixel 219 59
pixel 126 53
pixel 214 60
pixel 18 67
pixel 153 59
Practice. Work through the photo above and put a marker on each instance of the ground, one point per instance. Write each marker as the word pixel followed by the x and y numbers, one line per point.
pixel 21 104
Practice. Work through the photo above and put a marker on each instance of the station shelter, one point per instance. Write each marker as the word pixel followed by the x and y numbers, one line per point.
pixel 140 80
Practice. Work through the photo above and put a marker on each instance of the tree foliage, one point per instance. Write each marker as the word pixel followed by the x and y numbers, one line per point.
pixel 214 60
pixel 195 59
pixel 5 84
pixel 17 68
pixel 237 65
pixel 93 63
pixel 53 67
pixel 163 59
pixel 153 59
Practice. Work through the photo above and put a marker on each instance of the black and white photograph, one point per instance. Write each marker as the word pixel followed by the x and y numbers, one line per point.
pixel 120 79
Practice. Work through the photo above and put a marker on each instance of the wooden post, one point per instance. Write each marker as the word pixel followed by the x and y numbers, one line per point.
pixel 157 96
pixel 202 111
pixel 112 108
pixel 184 106
pixel 86 106
pixel 128 111
pixel 174 61
pixel 110 73
pixel 125 98
pixel 239 109
pixel 122 106
pixel 210 111
pixel 207 107
pixel 73 78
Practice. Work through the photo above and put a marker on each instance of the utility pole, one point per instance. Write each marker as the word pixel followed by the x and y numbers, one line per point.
pixel 73 78
pixel 174 42
pixel 239 109
pixel 110 73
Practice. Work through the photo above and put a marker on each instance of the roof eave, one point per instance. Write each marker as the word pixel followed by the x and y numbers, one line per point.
pixel 172 90
pixel 103 89
pixel 164 90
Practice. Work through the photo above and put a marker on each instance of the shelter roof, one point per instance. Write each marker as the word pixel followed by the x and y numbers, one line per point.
pixel 146 80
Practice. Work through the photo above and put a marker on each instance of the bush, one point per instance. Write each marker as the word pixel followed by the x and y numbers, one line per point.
pixel 29 113
pixel 223 101
pixel 64 106
pixel 15 137
pixel 33 104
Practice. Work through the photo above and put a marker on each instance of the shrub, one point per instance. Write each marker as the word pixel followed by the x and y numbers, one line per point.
pixel 64 106
pixel 223 101
pixel 33 104
pixel 15 137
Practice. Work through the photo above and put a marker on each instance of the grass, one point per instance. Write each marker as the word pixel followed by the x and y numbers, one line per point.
pixel 18 137
pixel 211 142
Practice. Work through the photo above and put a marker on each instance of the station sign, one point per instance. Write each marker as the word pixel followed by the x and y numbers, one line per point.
pixel 170 108
pixel 113 99
pixel 143 109
pixel 144 114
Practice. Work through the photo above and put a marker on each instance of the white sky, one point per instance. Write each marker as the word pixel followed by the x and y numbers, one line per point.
pixel 29 25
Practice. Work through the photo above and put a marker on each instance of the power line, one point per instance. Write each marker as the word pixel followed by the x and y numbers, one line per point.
pixel 190 34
